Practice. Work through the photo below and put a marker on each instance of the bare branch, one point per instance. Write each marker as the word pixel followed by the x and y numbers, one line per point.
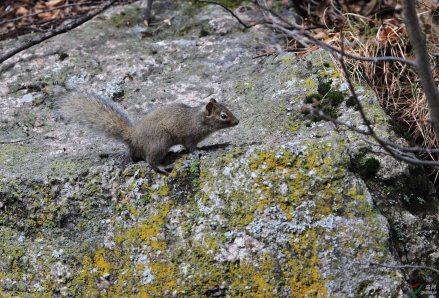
pixel 299 31
pixel 401 156
pixel 412 149
pixel 229 10
pixel 405 266
pixel 18 141
pixel 63 29
pixel 339 51
pixel 390 150
pixel 309 38
pixel 422 61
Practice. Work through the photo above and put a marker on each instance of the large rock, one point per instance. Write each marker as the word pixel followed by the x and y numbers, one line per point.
pixel 277 206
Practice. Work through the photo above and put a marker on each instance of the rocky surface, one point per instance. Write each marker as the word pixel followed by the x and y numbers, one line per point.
pixel 282 205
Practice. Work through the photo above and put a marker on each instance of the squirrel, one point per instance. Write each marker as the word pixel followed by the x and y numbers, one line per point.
pixel 156 133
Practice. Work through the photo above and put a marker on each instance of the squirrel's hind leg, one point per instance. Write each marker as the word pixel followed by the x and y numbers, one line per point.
pixel 154 156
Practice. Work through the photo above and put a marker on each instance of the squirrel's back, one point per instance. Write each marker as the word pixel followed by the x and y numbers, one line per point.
pixel 98 112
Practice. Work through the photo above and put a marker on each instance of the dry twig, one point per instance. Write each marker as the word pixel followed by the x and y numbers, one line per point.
pixel 52 33
pixel 17 141
pixel 229 10
pixel 405 266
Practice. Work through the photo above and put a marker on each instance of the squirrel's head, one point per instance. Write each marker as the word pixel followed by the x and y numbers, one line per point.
pixel 219 116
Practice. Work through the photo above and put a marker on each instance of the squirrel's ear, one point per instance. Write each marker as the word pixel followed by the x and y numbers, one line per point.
pixel 209 108
pixel 212 100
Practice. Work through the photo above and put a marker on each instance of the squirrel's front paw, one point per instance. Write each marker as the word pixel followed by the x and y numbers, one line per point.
pixel 165 169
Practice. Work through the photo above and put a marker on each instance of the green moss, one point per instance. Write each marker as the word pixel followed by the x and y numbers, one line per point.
pixel 366 167
pixel 336 97
pixel 305 112
pixel 311 97
pixel 316 118
pixel 184 31
pixel 330 111
pixel 350 102
pixel 204 32
pixel 324 88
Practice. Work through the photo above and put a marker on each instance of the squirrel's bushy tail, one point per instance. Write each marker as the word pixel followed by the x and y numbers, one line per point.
pixel 98 112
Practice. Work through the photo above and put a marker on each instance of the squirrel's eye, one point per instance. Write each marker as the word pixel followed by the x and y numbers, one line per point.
pixel 223 116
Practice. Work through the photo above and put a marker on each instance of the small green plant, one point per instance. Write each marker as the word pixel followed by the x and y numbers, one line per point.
pixel 330 112
pixel 310 97
pixel 305 112
pixel 316 118
pixel 324 88
pixel 204 32
pixel 366 167
pixel 336 97
pixel 350 102
pixel 145 200
pixel 184 31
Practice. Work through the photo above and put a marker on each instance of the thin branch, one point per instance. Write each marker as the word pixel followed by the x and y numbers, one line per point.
pixel 309 38
pixel 405 266
pixel 383 144
pixel 162 23
pixel 299 31
pixel 48 10
pixel 265 55
pixel 403 156
pixel 229 10
pixel 411 22
pixel 63 29
pixel 18 141
pixel 412 149
pixel 339 51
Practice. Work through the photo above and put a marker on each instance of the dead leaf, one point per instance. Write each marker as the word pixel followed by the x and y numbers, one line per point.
pixel 321 35
pixel 21 11
pixel 46 15
pixel 55 3
pixel 167 21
